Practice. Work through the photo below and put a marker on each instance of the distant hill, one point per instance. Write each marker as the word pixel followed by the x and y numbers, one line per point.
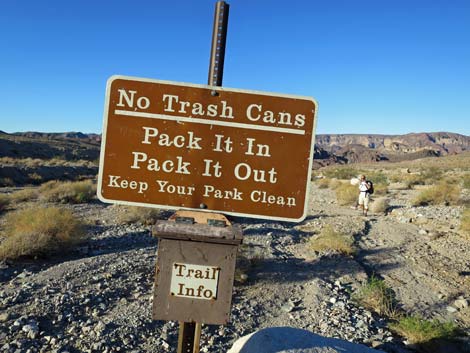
pixel 329 149
pixel 355 148
pixel 67 146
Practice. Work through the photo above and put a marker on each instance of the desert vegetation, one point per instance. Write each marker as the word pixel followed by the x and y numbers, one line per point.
pixel 418 330
pixel 39 231
pixel 4 201
pixel 378 297
pixel 465 222
pixel 68 192
pixel 330 240
pixel 442 193
pixel 134 214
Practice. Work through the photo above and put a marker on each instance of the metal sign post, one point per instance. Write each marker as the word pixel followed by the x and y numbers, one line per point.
pixel 189 332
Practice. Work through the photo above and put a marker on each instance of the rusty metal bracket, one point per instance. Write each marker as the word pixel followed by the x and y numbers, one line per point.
pixel 184 220
pixel 216 222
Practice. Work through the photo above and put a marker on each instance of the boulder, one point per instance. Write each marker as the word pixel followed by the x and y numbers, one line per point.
pixel 293 340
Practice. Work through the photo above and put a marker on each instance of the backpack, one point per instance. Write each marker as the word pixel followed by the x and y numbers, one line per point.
pixel 370 184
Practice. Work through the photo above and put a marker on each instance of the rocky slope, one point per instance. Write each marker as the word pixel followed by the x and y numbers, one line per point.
pixel 367 148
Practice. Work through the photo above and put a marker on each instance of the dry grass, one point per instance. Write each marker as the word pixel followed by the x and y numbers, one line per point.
pixel 441 193
pixel 377 296
pixel 466 181
pixel 347 194
pixel 379 205
pixel 334 184
pixel 341 172
pixel 68 192
pixel 4 202
pixel 37 162
pixel 330 240
pixel 134 214
pixel 418 330
pixel 323 183
pixel 465 222
pixel 380 189
pixel 24 195
pixel 39 232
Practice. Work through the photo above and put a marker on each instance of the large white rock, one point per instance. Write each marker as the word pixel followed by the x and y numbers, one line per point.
pixel 292 340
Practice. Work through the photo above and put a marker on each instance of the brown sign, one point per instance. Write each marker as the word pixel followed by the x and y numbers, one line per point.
pixel 175 145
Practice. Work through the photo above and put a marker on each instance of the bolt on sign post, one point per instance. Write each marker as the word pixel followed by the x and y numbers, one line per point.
pixel 185 147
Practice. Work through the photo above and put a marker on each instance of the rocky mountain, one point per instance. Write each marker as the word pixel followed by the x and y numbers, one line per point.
pixel 67 146
pixel 353 148
pixel 329 148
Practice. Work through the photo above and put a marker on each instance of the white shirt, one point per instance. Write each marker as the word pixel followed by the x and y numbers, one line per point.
pixel 363 186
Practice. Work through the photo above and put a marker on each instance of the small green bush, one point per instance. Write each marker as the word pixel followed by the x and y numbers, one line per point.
pixel 330 240
pixel 347 194
pixel 377 296
pixel 418 330
pixel 39 232
pixel 68 192
pixel 442 193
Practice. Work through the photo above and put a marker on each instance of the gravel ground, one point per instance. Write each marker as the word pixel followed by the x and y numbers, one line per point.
pixel 98 298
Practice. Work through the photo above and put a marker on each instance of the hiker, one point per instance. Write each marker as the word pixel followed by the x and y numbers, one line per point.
pixel 364 194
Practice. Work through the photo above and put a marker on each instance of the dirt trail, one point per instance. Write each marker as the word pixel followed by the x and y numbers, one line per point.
pixel 427 271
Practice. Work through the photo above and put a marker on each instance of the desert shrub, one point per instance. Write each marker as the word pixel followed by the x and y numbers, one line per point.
pixel 323 183
pixel 465 222
pixel 24 195
pixel 432 174
pixel 330 240
pixel 377 178
pixel 377 296
pixel 466 181
pixel 134 214
pixel 39 232
pixel 411 180
pixel 334 184
pixel 68 192
pixel 418 330
pixel 249 257
pixel 379 205
pixel 4 201
pixel 35 178
pixel 6 182
pixel 49 185
pixel 380 189
pixel 341 173
pixel 441 193
pixel 347 194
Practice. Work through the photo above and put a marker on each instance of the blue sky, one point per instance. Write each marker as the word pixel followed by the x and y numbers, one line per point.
pixel 373 66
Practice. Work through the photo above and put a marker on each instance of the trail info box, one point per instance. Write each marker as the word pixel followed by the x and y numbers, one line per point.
pixel 195 272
